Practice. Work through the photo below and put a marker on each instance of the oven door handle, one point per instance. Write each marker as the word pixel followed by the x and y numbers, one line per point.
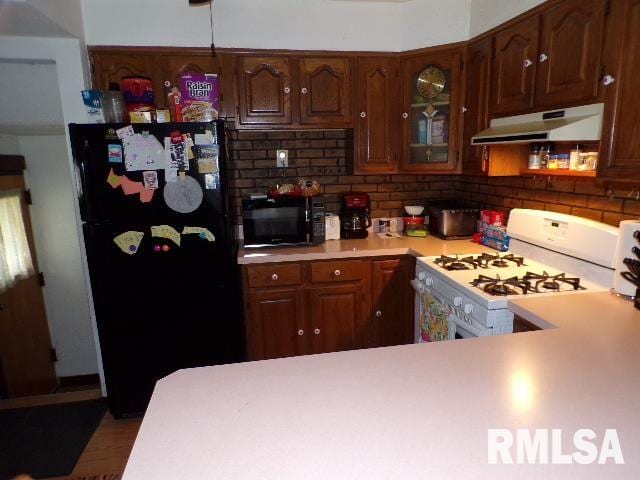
pixel 468 326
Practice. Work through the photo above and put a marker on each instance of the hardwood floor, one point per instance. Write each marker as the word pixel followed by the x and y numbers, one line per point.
pixel 108 450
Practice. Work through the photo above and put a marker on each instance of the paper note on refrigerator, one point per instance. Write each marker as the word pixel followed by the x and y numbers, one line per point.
pixel 129 242
pixel 166 231
pixel 202 232
pixel 143 153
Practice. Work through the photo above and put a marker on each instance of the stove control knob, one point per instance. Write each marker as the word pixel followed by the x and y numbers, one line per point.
pixel 428 281
pixel 422 276
pixel 457 301
pixel 468 308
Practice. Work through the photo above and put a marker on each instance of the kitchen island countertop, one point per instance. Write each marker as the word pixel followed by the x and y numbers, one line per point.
pixel 410 411
pixel 372 246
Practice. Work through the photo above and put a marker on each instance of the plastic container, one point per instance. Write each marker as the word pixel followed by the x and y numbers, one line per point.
pixel 115 109
pixel 574 158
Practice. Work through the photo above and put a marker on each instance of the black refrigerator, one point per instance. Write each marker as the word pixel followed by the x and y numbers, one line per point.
pixel 160 252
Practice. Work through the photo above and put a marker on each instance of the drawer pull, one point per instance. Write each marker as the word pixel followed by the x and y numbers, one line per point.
pixel 378 314
pixel 300 333
pixel 337 273
pixel 317 331
pixel 304 90
pixel 287 90
pixel 274 276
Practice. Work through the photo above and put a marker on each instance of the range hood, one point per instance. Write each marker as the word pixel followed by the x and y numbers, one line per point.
pixel 575 124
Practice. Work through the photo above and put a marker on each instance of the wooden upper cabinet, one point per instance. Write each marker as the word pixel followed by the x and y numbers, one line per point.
pixel 336 318
pixel 429 126
pixel 570 51
pixel 620 143
pixel 325 91
pixel 174 66
pixel 112 66
pixel 377 115
pixel 264 90
pixel 514 66
pixel 476 117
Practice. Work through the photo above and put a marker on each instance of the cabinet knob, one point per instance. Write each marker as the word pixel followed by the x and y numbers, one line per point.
pixel 543 58
pixel 363 114
pixel 317 331
pixel 405 115
pixel 337 273
pixel 464 109
pixel 287 90
pixel 608 80
pixel 300 333
pixel 527 63
pixel 304 90
pixel 274 276
pixel 378 314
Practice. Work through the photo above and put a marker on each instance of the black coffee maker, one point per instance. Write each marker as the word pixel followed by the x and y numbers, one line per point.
pixel 355 215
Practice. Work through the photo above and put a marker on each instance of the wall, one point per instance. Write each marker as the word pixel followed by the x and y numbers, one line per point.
pixel 69 59
pixel 576 197
pixel 323 155
pixel 58 250
pixel 65 13
pixel 9 145
pixel 486 14
pixel 287 24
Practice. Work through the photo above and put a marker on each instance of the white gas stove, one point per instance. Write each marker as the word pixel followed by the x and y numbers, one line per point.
pixel 460 296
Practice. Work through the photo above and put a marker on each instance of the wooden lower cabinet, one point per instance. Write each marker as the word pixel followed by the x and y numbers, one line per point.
pixel 276 324
pixel 368 304
pixel 392 301
pixel 336 314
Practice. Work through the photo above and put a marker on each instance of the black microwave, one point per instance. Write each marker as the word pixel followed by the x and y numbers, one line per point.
pixel 283 221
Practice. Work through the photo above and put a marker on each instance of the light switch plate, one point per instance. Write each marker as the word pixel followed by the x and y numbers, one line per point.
pixel 282 158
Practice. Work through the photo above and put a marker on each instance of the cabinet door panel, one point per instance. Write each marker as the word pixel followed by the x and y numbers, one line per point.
pixel 275 320
pixel 264 90
pixel 174 66
pixel 325 91
pixel 514 67
pixel 377 114
pixel 571 39
pixel 620 144
pixel 392 302
pixel 113 66
pixel 336 318
pixel 431 146
pixel 476 117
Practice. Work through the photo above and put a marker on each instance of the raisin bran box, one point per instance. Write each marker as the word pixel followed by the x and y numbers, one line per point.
pixel 200 99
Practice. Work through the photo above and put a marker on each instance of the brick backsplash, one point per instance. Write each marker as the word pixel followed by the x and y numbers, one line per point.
pixel 576 197
pixel 323 155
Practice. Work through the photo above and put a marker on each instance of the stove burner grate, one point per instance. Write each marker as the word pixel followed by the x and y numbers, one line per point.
pixel 543 282
pixel 487 260
pixel 456 263
pixel 499 287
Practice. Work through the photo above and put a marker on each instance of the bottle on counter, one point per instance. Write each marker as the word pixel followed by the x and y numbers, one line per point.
pixel 552 163
pixel 534 157
pixel 563 161
pixel 574 158
pixel 545 152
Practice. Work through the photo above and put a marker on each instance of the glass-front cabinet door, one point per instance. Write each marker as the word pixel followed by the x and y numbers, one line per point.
pixel 431 111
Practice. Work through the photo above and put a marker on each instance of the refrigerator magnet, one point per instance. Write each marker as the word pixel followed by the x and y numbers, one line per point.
pixel 166 231
pixel 184 195
pixel 129 242
pixel 150 179
pixel 202 232
pixel 211 181
pixel 114 152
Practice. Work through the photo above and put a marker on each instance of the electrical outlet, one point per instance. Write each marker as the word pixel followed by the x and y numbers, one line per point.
pixel 282 158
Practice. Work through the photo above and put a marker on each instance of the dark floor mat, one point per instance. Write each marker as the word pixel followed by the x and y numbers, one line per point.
pixel 46 441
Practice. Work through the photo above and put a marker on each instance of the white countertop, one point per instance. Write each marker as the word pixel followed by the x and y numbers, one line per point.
pixel 407 412
pixel 372 246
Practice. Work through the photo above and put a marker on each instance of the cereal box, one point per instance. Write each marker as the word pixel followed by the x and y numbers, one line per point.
pixel 200 100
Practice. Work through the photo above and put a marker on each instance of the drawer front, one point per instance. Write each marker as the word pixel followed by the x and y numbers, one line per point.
pixel 338 271
pixel 274 275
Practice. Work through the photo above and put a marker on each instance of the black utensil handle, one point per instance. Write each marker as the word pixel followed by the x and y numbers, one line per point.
pixel 635 251
pixel 636 302
pixel 631 278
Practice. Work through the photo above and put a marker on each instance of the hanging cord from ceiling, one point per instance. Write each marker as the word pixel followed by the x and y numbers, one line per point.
pixel 213 45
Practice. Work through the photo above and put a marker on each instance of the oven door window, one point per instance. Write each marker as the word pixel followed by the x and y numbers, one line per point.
pixel 273 226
